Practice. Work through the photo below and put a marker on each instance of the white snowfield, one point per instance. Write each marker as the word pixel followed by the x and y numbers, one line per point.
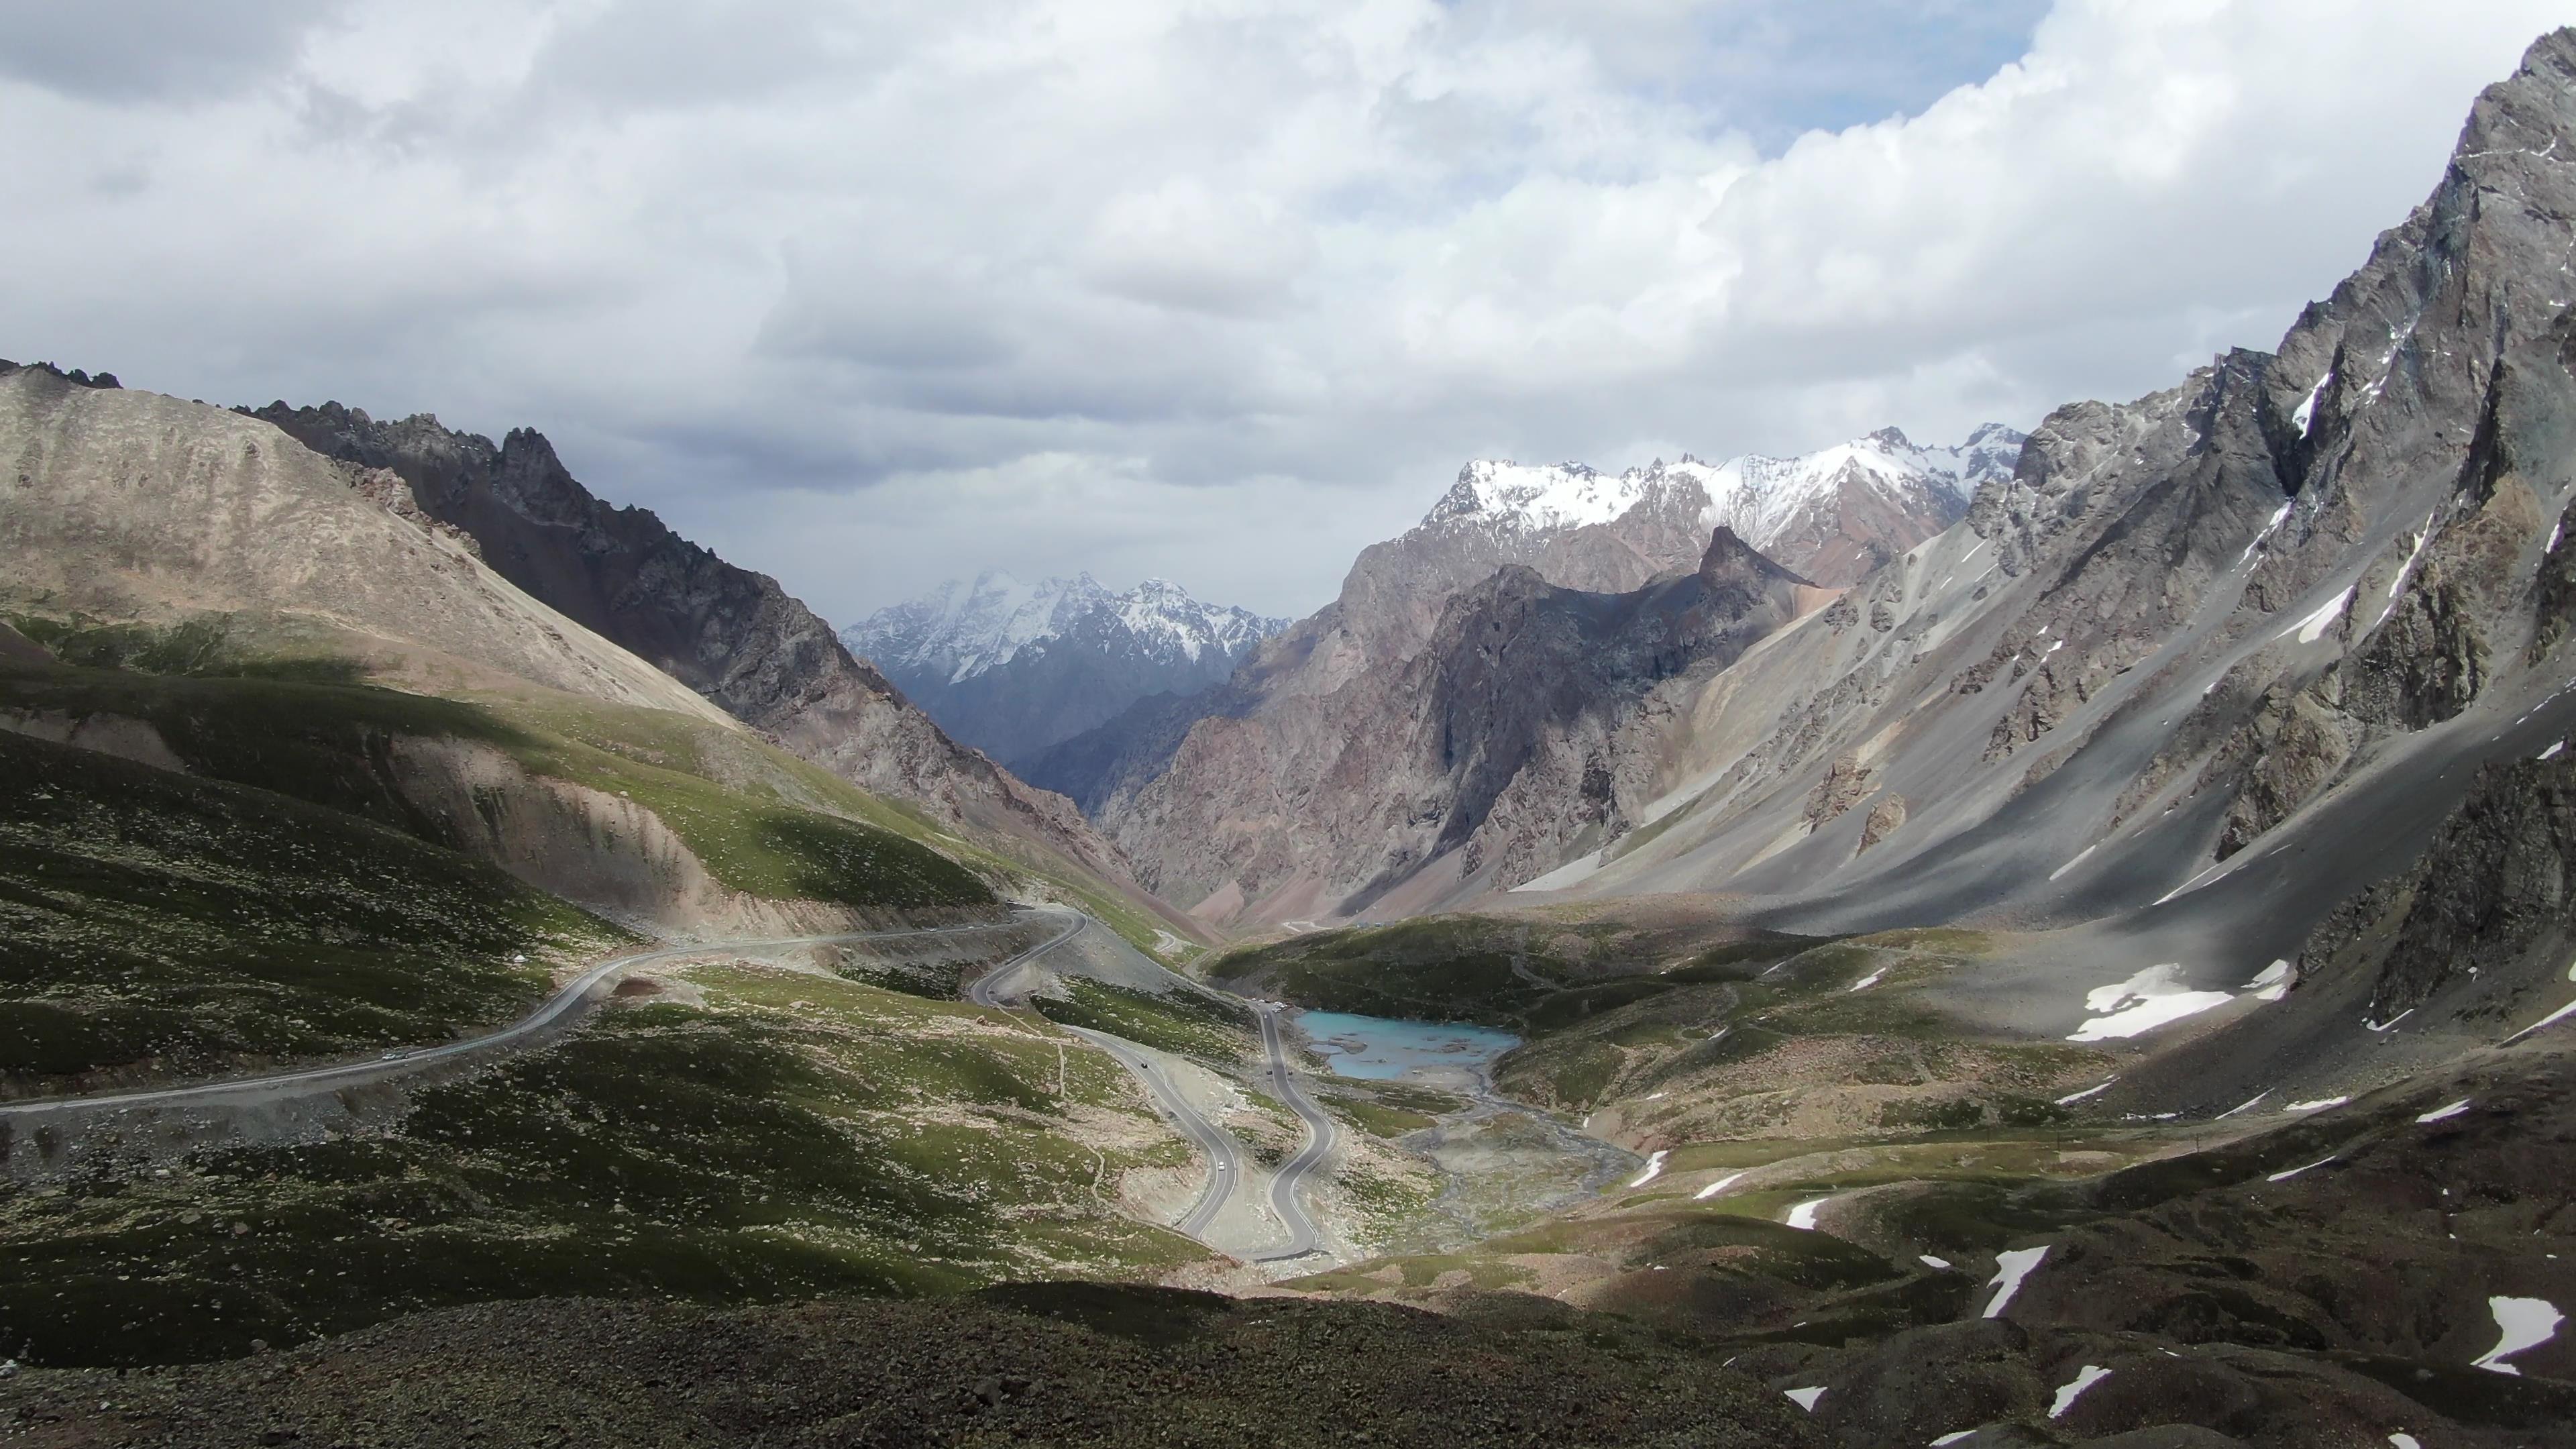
pixel 2552 1019
pixel 1805 1398
pixel 1803 1216
pixel 2319 1105
pixel 2314 626
pixel 2011 1267
pixel 2273 982
pixel 2287 1174
pixel 2067 1393
pixel 2248 1105
pixel 1721 1185
pixel 2152 998
pixel 1654 1167
pixel 2524 1323
pixel 1762 499
pixel 2445 1114
pixel 2098 1088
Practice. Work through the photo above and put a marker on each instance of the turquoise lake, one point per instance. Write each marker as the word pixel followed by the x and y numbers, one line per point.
pixel 1385 1050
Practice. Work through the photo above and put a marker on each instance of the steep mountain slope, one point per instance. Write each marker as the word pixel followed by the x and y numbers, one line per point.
pixel 228 850
pixel 730 634
pixel 132 506
pixel 1495 745
pixel 1837 511
pixel 1011 668
pixel 2194 693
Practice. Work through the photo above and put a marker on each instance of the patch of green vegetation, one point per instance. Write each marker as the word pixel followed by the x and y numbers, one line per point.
pixel 1970 1214
pixel 1181 1021
pixel 1576 1077
pixel 1744 960
pixel 1374 1117
pixel 1524 974
pixel 762 822
pixel 1810 1260
pixel 205 645
pixel 805 1136
pixel 1933 1114
pixel 1572 1007
pixel 152 922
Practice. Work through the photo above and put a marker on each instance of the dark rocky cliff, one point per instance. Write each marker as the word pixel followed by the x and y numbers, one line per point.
pixel 731 634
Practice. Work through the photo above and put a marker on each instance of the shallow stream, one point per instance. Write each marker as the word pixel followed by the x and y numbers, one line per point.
pixel 1506 1163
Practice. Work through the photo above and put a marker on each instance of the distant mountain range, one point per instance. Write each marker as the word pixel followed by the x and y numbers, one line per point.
pixel 728 633
pixel 1831 515
pixel 1012 668
pixel 1309 714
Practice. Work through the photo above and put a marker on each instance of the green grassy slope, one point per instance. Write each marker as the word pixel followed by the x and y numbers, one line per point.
pixel 1524 973
pixel 793 1136
pixel 155 923
pixel 252 667
pixel 762 823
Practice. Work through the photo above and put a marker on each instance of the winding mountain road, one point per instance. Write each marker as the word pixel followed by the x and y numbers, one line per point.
pixel 1224 1155
pixel 555 1010
pixel 1303 1237
pixel 552 1012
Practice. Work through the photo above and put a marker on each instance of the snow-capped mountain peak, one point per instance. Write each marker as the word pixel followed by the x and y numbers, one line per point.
pixel 1794 509
pixel 1554 496
pixel 1012 667
pixel 958 631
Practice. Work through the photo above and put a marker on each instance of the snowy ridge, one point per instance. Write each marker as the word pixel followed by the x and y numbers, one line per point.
pixel 1766 501
pixel 958 631
pixel 1761 498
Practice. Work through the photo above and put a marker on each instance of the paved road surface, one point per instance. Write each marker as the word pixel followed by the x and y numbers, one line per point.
pixel 1302 1235
pixel 556 1009
pixel 1225 1158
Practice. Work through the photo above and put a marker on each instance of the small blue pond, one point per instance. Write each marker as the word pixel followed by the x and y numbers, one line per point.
pixel 1386 1050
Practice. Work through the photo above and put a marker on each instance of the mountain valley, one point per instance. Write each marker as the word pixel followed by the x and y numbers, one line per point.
pixel 2059 940
pixel 1013 669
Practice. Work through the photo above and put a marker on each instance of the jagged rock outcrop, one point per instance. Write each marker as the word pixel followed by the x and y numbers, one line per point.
pixel 2225 650
pixel 1519 728
pixel 1885 819
pixel 1841 510
pixel 2496 883
pixel 731 634
pixel 132 506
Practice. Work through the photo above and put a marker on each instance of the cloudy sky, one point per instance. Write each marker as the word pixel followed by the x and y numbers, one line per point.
pixel 869 294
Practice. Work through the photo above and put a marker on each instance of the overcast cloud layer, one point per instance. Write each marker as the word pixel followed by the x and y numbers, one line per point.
pixel 868 295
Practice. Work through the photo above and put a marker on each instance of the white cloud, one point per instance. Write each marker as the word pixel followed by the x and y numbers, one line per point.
pixel 1219 289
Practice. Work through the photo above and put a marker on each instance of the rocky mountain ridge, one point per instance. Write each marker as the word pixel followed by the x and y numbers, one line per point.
pixel 1013 668
pixel 130 506
pixel 1831 515
pixel 731 634
pixel 1574 528
pixel 2207 684
pixel 1496 745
